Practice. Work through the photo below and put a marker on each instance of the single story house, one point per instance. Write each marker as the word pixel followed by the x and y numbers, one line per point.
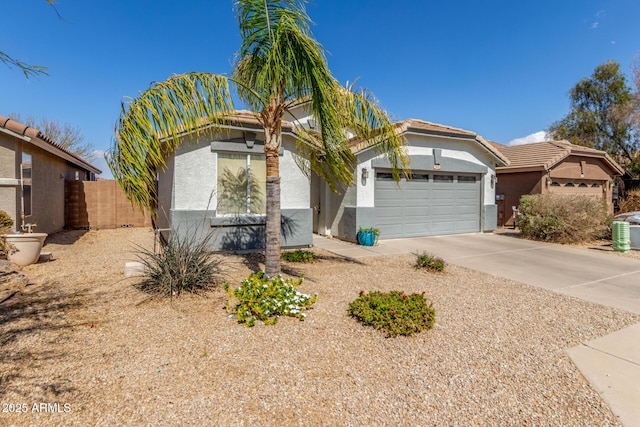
pixel 33 171
pixel 216 185
pixel 451 189
pixel 552 167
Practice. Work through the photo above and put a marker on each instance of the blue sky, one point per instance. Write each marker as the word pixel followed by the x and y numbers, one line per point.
pixel 500 68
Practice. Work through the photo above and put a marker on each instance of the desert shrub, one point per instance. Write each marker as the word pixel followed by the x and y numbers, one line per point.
pixel 394 312
pixel 631 202
pixel 429 262
pixel 298 255
pixel 265 298
pixel 184 264
pixel 5 226
pixel 563 218
pixel 5 221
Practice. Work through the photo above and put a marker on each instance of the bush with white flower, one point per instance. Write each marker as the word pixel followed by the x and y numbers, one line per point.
pixel 263 298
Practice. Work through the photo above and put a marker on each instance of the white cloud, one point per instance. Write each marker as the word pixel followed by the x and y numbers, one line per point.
pixel 594 25
pixel 534 137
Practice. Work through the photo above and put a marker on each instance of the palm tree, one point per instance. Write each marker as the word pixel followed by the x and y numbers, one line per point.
pixel 279 66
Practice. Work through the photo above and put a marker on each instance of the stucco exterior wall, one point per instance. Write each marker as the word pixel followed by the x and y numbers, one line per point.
pixel 9 183
pixel 49 173
pixel 425 145
pixel 512 186
pixel 188 195
pixel 582 168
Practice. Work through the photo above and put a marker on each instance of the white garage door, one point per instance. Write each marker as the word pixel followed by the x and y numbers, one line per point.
pixel 427 205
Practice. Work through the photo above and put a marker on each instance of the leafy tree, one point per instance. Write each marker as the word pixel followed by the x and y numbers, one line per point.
pixel 68 136
pixel 601 115
pixel 28 70
pixel 279 66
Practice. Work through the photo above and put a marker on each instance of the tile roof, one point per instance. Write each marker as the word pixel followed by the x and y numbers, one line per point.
pixel 239 118
pixel 544 155
pixel 34 134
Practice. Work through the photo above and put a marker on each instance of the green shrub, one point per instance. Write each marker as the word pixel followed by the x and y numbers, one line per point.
pixel 184 264
pixel 374 230
pixel 5 226
pixel 563 218
pixel 5 221
pixel 263 298
pixel 298 255
pixel 395 312
pixel 430 262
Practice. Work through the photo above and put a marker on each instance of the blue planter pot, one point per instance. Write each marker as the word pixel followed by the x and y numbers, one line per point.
pixel 366 238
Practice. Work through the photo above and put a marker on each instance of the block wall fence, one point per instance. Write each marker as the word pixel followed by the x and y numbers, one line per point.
pixel 100 204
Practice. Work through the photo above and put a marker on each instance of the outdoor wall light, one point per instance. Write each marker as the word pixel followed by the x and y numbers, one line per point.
pixel 549 181
pixel 249 139
pixel 494 179
pixel 365 175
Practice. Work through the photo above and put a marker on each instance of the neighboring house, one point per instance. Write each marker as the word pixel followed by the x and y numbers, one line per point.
pixel 33 170
pixel 553 167
pixel 216 184
pixel 451 189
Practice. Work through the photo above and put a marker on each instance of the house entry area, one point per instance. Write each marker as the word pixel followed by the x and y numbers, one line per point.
pixel 431 203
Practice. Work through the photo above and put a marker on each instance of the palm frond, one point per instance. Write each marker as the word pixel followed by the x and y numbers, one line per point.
pixel 151 125
pixel 27 70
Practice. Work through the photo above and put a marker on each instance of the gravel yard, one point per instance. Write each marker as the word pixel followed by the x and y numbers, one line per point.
pixel 100 352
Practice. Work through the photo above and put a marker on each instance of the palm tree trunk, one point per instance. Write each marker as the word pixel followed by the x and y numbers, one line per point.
pixel 274 214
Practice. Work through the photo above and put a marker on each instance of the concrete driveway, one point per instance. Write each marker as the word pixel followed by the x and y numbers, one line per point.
pixel 611 363
pixel 596 275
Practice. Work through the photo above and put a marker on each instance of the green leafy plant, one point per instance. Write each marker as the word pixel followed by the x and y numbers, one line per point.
pixel 5 226
pixel 184 264
pixel 298 255
pixel 563 218
pixel 374 230
pixel 429 262
pixel 5 221
pixel 264 298
pixel 394 312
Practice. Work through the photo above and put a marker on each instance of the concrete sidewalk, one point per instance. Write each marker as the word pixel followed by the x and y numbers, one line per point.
pixel 611 363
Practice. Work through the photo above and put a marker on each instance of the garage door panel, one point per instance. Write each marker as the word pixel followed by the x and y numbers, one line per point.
pixel 442 227
pixel 466 226
pixel 391 229
pixel 417 212
pixel 467 194
pixel 423 208
pixel 443 210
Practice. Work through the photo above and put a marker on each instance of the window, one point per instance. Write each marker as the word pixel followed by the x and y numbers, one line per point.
pixel 466 179
pixel 419 177
pixel 582 184
pixel 384 176
pixel 595 185
pixel 442 178
pixel 25 179
pixel 569 184
pixel 241 184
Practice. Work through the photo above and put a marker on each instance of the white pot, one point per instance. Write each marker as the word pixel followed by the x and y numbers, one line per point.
pixel 26 247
